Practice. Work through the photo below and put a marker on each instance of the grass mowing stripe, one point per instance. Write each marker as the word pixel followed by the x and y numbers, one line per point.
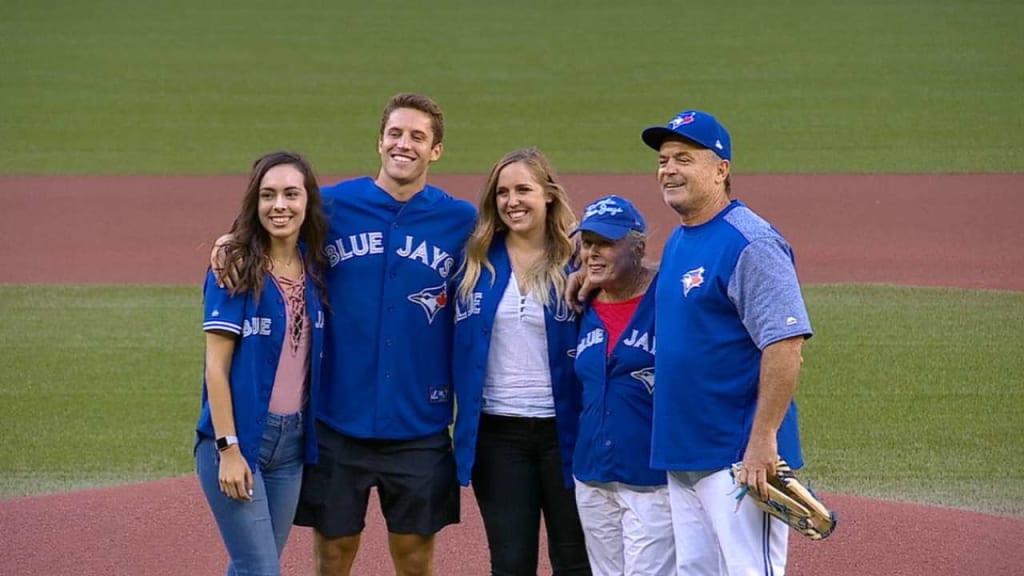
pixel 915 394
pixel 906 393
pixel 99 384
pixel 114 86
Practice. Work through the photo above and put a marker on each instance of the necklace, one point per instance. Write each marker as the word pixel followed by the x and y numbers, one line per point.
pixel 279 267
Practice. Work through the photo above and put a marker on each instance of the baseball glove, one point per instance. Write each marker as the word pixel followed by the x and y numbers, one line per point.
pixel 789 501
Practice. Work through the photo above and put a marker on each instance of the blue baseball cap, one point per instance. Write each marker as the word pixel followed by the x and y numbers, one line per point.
pixel 698 127
pixel 612 217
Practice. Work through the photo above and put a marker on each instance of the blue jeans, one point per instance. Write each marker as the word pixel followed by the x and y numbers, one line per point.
pixel 255 532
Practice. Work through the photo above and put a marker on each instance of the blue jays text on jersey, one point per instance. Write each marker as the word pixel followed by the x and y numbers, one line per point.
pixel 372 243
pixel 472 344
pixel 614 442
pixel 260 326
pixel 388 368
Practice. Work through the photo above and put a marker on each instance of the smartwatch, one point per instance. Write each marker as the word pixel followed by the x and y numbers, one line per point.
pixel 225 442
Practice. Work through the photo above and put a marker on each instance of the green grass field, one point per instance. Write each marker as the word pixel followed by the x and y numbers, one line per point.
pixel 118 86
pixel 910 394
pixel 907 393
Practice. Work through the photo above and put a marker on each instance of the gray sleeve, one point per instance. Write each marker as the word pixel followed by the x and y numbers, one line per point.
pixel 765 290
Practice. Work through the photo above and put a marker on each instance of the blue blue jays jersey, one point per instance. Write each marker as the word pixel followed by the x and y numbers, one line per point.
pixel 726 290
pixel 472 343
pixel 614 442
pixel 388 369
pixel 261 330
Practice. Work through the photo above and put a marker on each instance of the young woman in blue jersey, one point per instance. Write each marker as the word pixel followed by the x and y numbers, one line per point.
pixel 518 399
pixel 623 503
pixel 264 341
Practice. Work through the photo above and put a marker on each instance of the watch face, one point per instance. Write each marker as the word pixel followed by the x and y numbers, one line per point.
pixel 224 441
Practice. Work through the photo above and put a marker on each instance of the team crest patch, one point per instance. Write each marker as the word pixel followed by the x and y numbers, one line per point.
pixel 432 300
pixel 439 395
pixel 645 375
pixel 693 279
pixel 681 120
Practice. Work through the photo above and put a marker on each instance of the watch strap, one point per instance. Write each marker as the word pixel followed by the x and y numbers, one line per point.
pixel 225 442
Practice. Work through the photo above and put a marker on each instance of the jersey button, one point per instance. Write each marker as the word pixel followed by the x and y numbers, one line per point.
pixel 387 341
pixel 387 375
pixel 608 442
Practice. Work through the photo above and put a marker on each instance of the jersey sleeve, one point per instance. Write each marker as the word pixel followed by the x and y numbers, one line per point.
pixel 221 311
pixel 766 292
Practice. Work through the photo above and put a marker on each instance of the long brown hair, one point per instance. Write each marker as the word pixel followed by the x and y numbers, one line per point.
pixel 546 274
pixel 250 241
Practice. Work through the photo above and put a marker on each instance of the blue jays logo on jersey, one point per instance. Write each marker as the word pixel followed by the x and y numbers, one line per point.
pixel 693 279
pixel 432 300
pixel 645 375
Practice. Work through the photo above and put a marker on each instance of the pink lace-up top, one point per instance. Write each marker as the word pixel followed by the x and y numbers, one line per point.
pixel 289 392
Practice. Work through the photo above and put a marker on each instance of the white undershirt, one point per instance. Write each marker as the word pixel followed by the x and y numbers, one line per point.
pixel 518 379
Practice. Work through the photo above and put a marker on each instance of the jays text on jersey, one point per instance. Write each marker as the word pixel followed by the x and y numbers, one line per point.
pixel 726 290
pixel 388 368
pixel 618 399
pixel 472 344
pixel 261 330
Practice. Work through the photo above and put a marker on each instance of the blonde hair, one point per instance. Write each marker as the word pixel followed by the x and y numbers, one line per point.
pixel 547 273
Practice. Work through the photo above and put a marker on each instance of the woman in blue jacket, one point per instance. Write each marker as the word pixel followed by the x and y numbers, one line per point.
pixel 264 342
pixel 518 399
pixel 623 503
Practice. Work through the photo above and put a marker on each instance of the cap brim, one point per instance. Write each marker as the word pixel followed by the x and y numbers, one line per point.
pixel 609 231
pixel 655 135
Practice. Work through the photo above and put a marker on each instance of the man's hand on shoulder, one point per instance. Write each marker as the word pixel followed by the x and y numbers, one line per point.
pixel 226 275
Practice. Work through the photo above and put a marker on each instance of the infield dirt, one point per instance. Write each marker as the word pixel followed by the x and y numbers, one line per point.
pixel 920 230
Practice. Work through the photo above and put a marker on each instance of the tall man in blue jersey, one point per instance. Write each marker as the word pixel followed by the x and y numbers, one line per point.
pixel 386 405
pixel 731 323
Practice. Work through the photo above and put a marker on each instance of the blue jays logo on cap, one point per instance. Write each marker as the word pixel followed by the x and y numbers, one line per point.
pixel 612 217
pixel 684 118
pixel 698 127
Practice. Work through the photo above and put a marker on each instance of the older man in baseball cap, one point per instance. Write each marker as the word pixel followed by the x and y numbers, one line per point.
pixel 731 326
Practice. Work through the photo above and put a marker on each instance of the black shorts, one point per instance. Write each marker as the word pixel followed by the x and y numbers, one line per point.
pixel 415 480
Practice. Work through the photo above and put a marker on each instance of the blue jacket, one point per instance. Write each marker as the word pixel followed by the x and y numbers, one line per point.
pixel 261 330
pixel 618 399
pixel 473 323
pixel 389 343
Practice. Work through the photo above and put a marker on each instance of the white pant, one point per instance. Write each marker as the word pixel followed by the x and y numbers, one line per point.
pixel 751 542
pixel 628 529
